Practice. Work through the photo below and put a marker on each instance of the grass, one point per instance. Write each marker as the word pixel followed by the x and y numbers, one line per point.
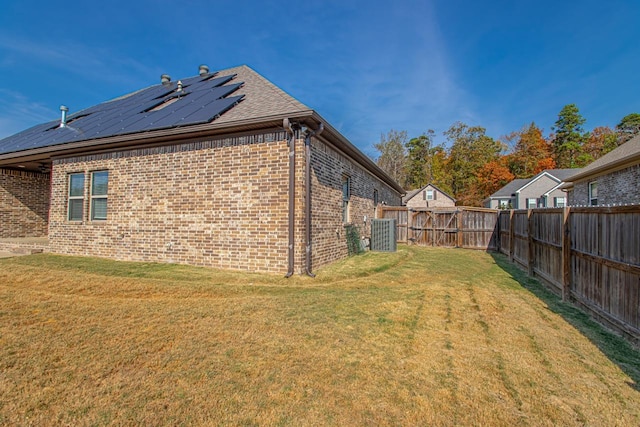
pixel 418 337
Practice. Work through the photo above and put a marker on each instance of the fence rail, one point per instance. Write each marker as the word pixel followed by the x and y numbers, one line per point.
pixel 589 255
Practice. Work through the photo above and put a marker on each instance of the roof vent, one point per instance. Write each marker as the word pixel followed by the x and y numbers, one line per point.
pixel 179 86
pixel 203 70
pixel 165 79
pixel 63 119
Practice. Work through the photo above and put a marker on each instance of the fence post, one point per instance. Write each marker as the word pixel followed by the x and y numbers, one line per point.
pixel 497 243
pixel 459 240
pixel 566 254
pixel 511 235
pixel 531 242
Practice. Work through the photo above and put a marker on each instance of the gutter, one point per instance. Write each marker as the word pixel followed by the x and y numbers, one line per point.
pixel 307 193
pixel 292 194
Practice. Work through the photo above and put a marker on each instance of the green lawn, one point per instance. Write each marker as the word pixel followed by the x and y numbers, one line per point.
pixel 418 337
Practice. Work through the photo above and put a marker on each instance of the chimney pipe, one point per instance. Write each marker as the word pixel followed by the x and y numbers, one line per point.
pixel 203 70
pixel 165 79
pixel 63 119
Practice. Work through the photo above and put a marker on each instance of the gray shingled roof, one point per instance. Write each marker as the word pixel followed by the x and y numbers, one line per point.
pixel 627 152
pixel 227 96
pixel 517 184
pixel 561 174
pixel 510 188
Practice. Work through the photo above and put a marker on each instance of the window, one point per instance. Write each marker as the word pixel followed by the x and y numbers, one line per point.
pixel 428 195
pixel 593 193
pixel 504 204
pixel 346 195
pixel 559 202
pixel 76 197
pixel 375 198
pixel 532 203
pixel 99 186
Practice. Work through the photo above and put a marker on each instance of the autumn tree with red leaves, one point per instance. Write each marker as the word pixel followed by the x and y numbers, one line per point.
pixel 532 153
pixel 492 176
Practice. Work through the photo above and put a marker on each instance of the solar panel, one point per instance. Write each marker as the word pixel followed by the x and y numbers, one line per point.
pixel 202 100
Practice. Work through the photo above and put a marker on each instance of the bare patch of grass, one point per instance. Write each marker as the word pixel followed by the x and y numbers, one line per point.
pixel 417 337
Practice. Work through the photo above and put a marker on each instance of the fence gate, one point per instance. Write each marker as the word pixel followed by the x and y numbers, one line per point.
pixel 461 227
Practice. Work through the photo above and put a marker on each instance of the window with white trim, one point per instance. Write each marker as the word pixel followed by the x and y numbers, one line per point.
pixel 532 203
pixel 75 205
pixel 346 196
pixel 428 195
pixel 559 202
pixel 99 187
pixel 593 193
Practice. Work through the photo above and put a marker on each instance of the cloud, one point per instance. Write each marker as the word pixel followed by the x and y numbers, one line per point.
pixel 405 82
pixel 18 112
pixel 71 57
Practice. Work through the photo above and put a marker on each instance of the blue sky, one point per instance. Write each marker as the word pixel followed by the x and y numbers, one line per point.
pixel 365 66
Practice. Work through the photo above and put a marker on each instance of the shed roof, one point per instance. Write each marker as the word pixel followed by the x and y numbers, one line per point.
pixel 412 193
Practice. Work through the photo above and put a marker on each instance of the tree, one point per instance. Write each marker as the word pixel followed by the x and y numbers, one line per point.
pixel 531 152
pixel 393 156
pixel 493 175
pixel 470 150
pixel 418 160
pixel 441 175
pixel 600 141
pixel 425 161
pixel 569 137
pixel 628 127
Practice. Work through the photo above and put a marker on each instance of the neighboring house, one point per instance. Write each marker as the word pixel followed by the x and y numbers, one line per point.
pixel 221 169
pixel 428 196
pixel 612 179
pixel 504 198
pixel 543 190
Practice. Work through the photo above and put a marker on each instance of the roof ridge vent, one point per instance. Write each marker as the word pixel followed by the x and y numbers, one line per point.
pixel 203 70
pixel 165 79
pixel 63 118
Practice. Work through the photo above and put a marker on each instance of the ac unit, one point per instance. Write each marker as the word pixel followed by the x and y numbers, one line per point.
pixel 383 235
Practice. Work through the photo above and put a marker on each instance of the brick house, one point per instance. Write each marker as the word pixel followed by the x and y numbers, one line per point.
pixel 612 179
pixel 221 169
pixel 541 191
pixel 428 196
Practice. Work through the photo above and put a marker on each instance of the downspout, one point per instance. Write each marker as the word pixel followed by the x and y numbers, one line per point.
pixel 307 191
pixel 292 186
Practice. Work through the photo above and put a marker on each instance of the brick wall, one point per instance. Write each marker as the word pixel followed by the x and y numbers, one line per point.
pixel 328 233
pixel 24 203
pixel 619 187
pixel 220 203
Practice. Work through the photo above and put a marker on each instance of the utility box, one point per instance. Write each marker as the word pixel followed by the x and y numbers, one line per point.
pixel 383 235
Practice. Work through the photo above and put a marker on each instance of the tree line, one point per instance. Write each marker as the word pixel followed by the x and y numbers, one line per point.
pixel 471 165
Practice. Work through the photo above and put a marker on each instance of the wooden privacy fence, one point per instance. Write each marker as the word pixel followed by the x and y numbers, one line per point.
pixel 462 227
pixel 591 255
